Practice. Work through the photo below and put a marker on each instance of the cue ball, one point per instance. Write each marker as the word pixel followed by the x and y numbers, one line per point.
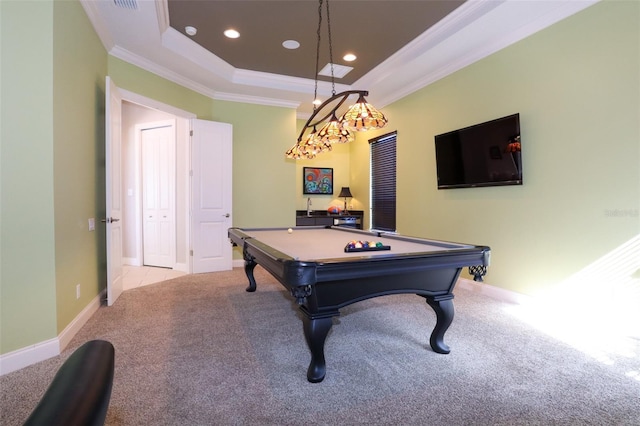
pixel 289 230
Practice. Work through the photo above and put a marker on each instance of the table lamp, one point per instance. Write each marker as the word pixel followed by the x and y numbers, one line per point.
pixel 346 193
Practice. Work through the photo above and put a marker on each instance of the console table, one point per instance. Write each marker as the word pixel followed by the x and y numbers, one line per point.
pixel 323 218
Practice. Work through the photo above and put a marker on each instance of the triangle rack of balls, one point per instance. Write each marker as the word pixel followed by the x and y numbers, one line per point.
pixel 353 246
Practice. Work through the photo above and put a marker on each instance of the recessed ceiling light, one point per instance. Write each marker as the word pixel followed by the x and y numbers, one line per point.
pixel 290 44
pixel 349 57
pixel 190 30
pixel 231 33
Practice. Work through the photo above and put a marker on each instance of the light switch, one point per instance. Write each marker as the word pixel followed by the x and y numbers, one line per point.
pixel 92 224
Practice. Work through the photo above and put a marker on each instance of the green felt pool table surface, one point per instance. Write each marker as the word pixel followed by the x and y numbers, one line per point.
pixel 318 244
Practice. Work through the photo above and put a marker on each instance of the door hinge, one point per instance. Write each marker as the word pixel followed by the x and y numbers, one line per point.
pixel 190 132
pixel 190 252
pixel 191 173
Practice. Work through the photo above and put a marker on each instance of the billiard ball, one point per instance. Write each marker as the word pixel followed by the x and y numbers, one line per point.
pixel 290 230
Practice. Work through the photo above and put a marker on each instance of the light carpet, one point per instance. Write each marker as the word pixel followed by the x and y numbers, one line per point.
pixel 199 350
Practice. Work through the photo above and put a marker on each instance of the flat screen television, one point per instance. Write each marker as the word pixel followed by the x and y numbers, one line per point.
pixel 485 154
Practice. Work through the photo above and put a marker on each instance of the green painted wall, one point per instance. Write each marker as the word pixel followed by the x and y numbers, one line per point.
pixel 339 160
pixel 79 69
pixel 52 168
pixel 577 90
pixel 145 83
pixel 263 179
pixel 27 263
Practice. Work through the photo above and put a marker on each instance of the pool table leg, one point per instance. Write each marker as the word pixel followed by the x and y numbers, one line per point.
pixel 249 266
pixel 315 332
pixel 443 307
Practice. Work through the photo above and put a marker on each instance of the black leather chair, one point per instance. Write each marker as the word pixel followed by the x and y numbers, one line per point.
pixel 81 389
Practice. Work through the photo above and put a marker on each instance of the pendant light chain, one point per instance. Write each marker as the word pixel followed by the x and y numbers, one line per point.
pixel 358 117
pixel 318 32
pixel 333 82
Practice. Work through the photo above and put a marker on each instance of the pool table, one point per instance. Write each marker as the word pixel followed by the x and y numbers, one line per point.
pixel 311 262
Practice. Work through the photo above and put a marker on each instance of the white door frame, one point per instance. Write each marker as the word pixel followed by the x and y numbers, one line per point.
pixel 153 104
pixel 139 128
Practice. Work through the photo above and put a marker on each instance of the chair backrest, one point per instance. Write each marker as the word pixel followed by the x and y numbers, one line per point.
pixel 81 389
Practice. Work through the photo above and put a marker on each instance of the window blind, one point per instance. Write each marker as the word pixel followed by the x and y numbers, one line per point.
pixel 383 182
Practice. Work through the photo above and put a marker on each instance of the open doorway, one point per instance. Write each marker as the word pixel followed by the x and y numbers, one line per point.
pixel 203 191
pixel 156 144
pixel 155 187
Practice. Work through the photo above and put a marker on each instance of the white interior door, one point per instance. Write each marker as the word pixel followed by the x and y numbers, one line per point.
pixel 113 171
pixel 158 196
pixel 211 156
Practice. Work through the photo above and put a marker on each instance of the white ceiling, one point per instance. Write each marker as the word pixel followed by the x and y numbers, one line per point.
pixel 471 32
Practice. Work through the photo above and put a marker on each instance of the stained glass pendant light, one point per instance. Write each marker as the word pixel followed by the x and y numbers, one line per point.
pixel 363 116
pixel 334 132
pixel 359 117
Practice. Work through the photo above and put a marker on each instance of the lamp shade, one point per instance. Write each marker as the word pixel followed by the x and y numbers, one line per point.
pixel 345 192
pixel 363 116
pixel 334 132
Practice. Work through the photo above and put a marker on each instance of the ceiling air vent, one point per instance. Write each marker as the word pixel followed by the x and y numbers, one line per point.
pixel 127 4
pixel 339 71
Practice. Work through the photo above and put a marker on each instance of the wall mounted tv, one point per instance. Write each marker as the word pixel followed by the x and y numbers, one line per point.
pixel 485 154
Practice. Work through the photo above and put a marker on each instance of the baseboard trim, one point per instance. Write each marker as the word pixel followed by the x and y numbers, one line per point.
pixel 238 263
pixel 80 320
pixel 131 261
pixel 493 292
pixel 29 355
pixel 24 357
pixel 182 267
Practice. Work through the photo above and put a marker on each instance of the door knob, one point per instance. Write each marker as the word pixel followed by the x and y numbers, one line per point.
pixel 227 215
pixel 109 220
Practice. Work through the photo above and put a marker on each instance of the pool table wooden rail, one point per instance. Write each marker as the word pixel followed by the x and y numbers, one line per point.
pixel 293 272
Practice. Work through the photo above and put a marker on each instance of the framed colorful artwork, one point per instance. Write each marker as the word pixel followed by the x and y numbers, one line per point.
pixel 317 180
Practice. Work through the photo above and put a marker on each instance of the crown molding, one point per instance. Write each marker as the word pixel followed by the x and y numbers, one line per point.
pixel 182 45
pixel 286 83
pixel 161 71
pixel 433 50
pixel 191 51
pixel 174 77
pixel 476 29
pixel 248 99
pixel 443 30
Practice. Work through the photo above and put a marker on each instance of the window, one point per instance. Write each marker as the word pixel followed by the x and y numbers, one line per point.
pixel 383 182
